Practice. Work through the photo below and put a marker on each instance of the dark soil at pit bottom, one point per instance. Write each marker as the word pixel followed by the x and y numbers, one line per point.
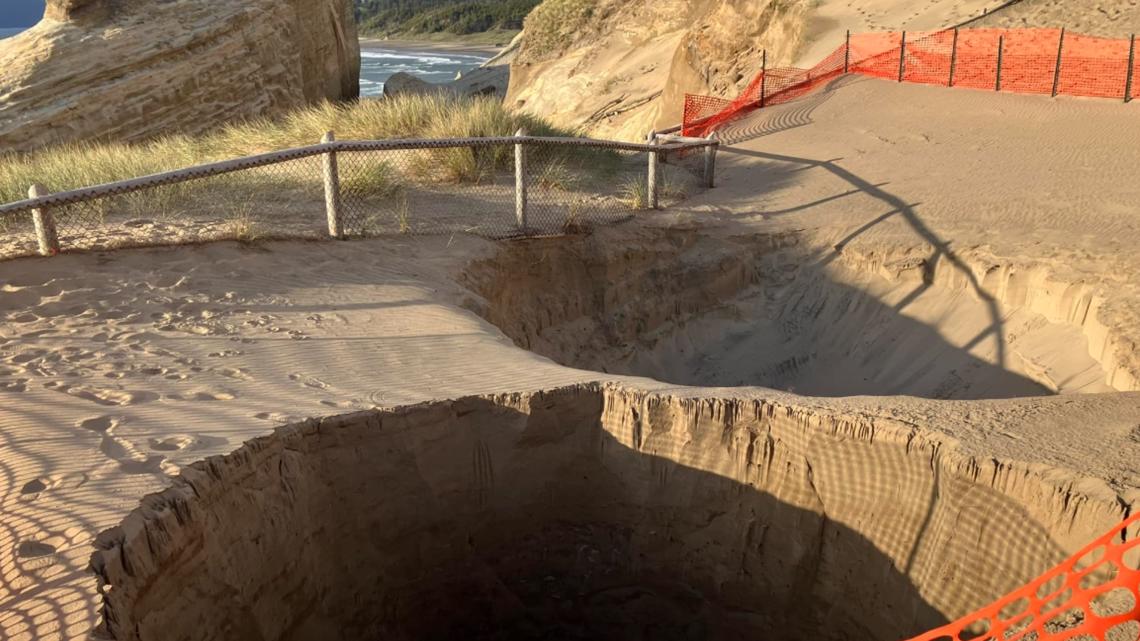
pixel 573 583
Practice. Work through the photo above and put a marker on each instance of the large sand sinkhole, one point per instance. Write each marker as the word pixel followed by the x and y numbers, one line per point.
pixel 689 308
pixel 585 513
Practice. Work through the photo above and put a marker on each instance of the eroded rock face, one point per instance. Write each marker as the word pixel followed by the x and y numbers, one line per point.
pixel 135 69
pixel 590 512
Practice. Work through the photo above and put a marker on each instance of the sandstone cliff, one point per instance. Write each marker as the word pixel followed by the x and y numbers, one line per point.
pixel 622 68
pixel 133 69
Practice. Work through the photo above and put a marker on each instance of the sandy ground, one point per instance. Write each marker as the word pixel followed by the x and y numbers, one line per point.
pixel 1105 18
pixel 118 368
pixel 830 20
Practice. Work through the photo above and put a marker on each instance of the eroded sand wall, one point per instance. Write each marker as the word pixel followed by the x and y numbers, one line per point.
pixel 740 516
pixel 702 309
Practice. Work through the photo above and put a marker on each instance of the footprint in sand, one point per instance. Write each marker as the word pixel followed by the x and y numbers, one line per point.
pixel 33 557
pixel 100 424
pixel 28 356
pixel 185 442
pixel 352 404
pixel 278 417
pixel 204 395
pixel 15 385
pixel 102 395
pixel 236 373
pixel 33 489
pixel 309 381
pixel 130 458
pixel 37 554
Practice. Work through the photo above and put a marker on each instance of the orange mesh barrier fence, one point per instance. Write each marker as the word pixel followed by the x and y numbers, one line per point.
pixel 1035 61
pixel 1092 595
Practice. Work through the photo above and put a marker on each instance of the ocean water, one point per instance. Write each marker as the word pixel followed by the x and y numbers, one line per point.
pixel 378 64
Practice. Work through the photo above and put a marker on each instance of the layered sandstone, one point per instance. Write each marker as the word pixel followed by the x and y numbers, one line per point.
pixel 94 69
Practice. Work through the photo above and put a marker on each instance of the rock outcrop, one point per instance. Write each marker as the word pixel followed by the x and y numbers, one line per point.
pixel 480 81
pixel 134 69
pixel 622 68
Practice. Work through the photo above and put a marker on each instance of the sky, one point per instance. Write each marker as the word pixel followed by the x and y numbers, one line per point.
pixel 20 13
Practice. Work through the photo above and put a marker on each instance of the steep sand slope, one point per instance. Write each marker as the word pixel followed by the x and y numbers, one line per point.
pixel 118 369
pixel 622 68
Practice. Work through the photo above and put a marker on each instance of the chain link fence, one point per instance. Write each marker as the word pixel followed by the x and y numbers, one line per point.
pixel 492 187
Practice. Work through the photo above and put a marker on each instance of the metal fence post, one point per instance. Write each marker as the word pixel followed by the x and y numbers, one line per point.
pixel 1131 69
pixel 1057 69
pixel 847 54
pixel 902 57
pixel 46 234
pixel 520 181
pixel 710 161
pixel 654 165
pixel 953 58
pixel 763 78
pixel 332 190
pixel 1001 53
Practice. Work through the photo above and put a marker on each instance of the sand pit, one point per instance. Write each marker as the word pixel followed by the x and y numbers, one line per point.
pixel 581 513
pixel 705 309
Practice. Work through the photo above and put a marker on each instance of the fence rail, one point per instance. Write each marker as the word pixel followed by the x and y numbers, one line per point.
pixel 496 187
pixel 1034 61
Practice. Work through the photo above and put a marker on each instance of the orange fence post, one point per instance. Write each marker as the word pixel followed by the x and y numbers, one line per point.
pixel 847 53
pixel 953 57
pixel 1057 70
pixel 1001 52
pixel 902 57
pixel 1131 69
pixel 763 77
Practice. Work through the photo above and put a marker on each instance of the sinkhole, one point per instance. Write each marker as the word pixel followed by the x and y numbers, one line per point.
pixel 696 308
pixel 588 512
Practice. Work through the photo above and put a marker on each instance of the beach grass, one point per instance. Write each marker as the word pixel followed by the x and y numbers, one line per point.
pixel 80 165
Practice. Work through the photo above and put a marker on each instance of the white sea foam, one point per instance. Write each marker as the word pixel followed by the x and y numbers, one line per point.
pixel 377 65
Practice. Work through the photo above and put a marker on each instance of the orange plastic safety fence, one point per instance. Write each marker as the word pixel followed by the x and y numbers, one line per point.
pixel 1035 61
pixel 1095 594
